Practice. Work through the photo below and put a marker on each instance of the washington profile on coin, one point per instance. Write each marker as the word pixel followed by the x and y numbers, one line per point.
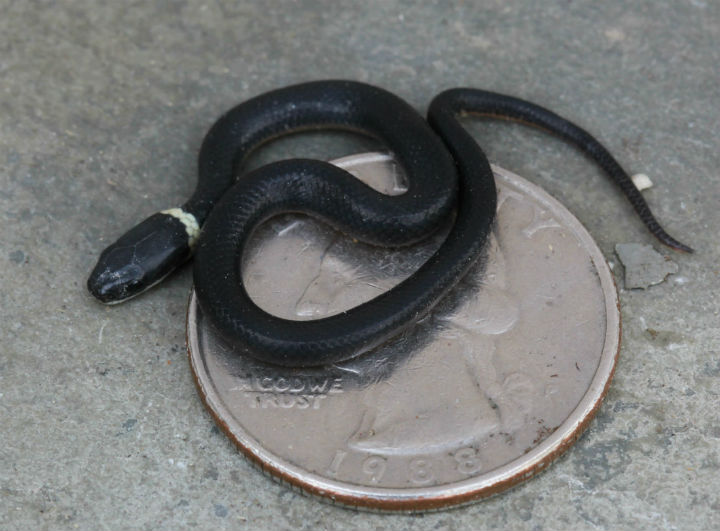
pixel 500 379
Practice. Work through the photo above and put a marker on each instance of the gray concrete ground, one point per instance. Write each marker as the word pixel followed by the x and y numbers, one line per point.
pixel 102 109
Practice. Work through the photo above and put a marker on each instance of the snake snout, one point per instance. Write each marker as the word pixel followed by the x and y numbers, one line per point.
pixel 111 284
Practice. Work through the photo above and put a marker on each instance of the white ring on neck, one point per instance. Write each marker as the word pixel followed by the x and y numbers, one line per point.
pixel 186 218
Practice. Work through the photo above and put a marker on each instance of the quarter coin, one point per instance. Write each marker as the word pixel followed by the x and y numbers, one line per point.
pixel 499 380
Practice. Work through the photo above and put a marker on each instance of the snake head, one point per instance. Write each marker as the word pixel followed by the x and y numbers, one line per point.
pixel 141 258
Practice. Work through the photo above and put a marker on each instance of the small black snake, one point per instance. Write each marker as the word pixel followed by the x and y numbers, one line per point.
pixel 446 171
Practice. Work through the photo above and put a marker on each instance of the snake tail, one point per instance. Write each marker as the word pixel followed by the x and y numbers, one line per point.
pixel 492 105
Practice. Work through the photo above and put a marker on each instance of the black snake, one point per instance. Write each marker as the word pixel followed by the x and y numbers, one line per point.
pixel 446 172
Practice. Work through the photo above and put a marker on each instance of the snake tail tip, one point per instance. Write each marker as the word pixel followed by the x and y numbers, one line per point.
pixel 681 247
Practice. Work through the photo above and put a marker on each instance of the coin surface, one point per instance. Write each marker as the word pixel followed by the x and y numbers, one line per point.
pixel 500 378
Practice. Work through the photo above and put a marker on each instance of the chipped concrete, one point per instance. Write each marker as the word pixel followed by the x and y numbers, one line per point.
pixel 103 107
pixel 644 266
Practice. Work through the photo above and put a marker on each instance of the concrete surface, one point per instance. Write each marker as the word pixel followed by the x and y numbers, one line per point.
pixel 643 265
pixel 102 109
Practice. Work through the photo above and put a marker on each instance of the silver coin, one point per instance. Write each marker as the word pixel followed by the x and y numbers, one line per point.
pixel 500 378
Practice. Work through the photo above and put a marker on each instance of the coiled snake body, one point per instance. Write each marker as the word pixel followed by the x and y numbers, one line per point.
pixel 446 171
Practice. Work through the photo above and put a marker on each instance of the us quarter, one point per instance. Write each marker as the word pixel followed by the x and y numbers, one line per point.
pixel 500 379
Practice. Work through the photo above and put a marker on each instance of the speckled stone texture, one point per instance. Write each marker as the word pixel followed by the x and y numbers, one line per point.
pixel 103 106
